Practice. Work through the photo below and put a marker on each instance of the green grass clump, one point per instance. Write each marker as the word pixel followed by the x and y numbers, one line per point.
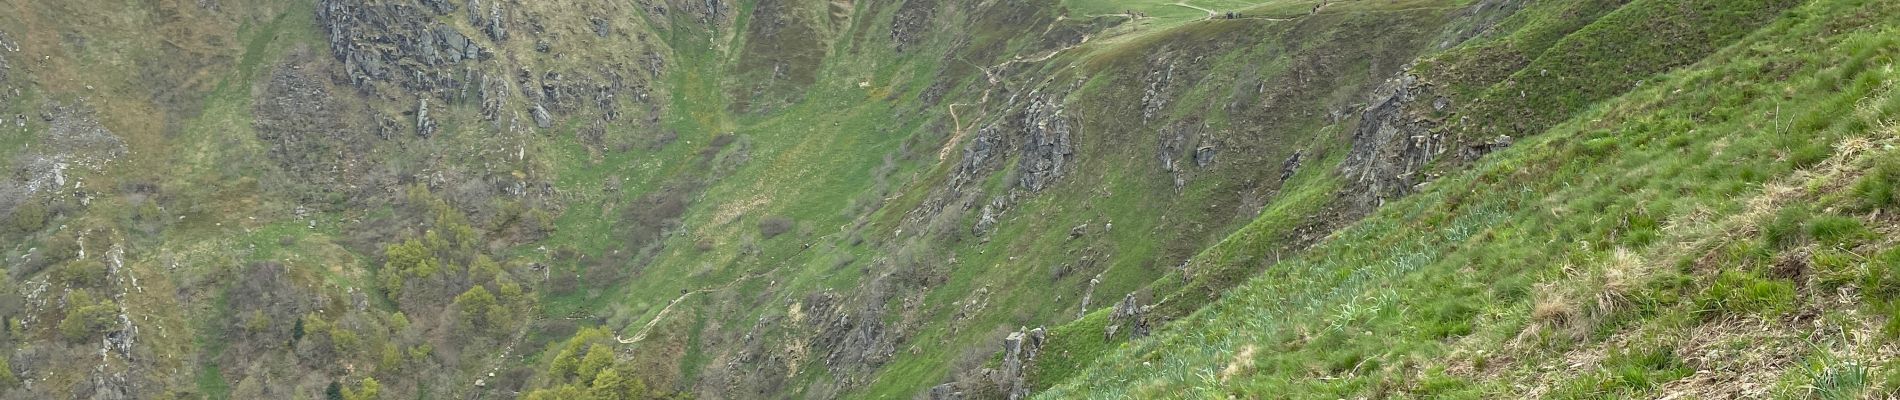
pixel 1785 229
pixel 1882 279
pixel 1627 373
pixel 1737 293
pixel 1875 190
pixel 1450 317
pixel 1836 230
pixel 1834 379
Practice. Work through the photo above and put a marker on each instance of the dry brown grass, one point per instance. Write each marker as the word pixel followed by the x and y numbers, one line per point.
pixel 1242 363
pixel 1580 301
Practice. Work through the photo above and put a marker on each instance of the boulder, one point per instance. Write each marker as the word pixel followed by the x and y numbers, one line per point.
pixel 541 118
pixel 1291 165
pixel 1204 156
pixel 947 391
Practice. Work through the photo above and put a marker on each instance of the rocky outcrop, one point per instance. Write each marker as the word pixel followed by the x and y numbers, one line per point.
pixel 947 391
pixel 985 221
pixel 1392 143
pixel 1472 151
pixel 1160 81
pixel 73 140
pixel 1291 165
pixel 1173 143
pixel 1039 136
pixel 851 336
pixel 7 91
pixel 493 94
pixel 1174 152
pixel 398 42
pixel 541 118
pixel 706 12
pixel 488 18
pixel 911 23
pixel 310 134
pixel 1020 349
pixel 1128 314
pixel 1047 147
pixel 425 126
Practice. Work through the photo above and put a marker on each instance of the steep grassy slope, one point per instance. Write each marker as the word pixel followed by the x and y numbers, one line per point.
pixel 864 199
pixel 1718 232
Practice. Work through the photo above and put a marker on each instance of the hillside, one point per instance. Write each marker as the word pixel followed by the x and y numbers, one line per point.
pixel 558 199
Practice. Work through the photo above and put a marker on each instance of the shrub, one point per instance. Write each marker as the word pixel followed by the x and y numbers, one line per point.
pixel 82 273
pixel 369 390
pixel 29 217
pixel 478 307
pixel 7 379
pixel 774 225
pixel 612 384
pixel 86 319
pixel 408 259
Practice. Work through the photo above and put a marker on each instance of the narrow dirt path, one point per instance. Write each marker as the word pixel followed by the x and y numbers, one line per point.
pixel 494 365
pixel 644 329
pixel 956 120
pixel 648 328
pixel 1210 13
pixel 959 131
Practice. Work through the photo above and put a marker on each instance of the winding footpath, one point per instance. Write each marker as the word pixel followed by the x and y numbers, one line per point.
pixel 990 73
pixel 959 130
pixel 1210 13
pixel 648 328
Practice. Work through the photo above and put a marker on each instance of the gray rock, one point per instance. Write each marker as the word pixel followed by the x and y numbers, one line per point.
pixel 396 42
pixel 601 27
pixel 425 126
pixel 495 29
pixel 440 6
pixel 541 118
pixel 985 222
pixel 1391 144
pixel 1476 150
pixel 1291 165
pixel 1160 84
pixel 947 391
pixel 912 23
pixel 1128 314
pixel 1020 349
pixel 1048 148
pixel 456 47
